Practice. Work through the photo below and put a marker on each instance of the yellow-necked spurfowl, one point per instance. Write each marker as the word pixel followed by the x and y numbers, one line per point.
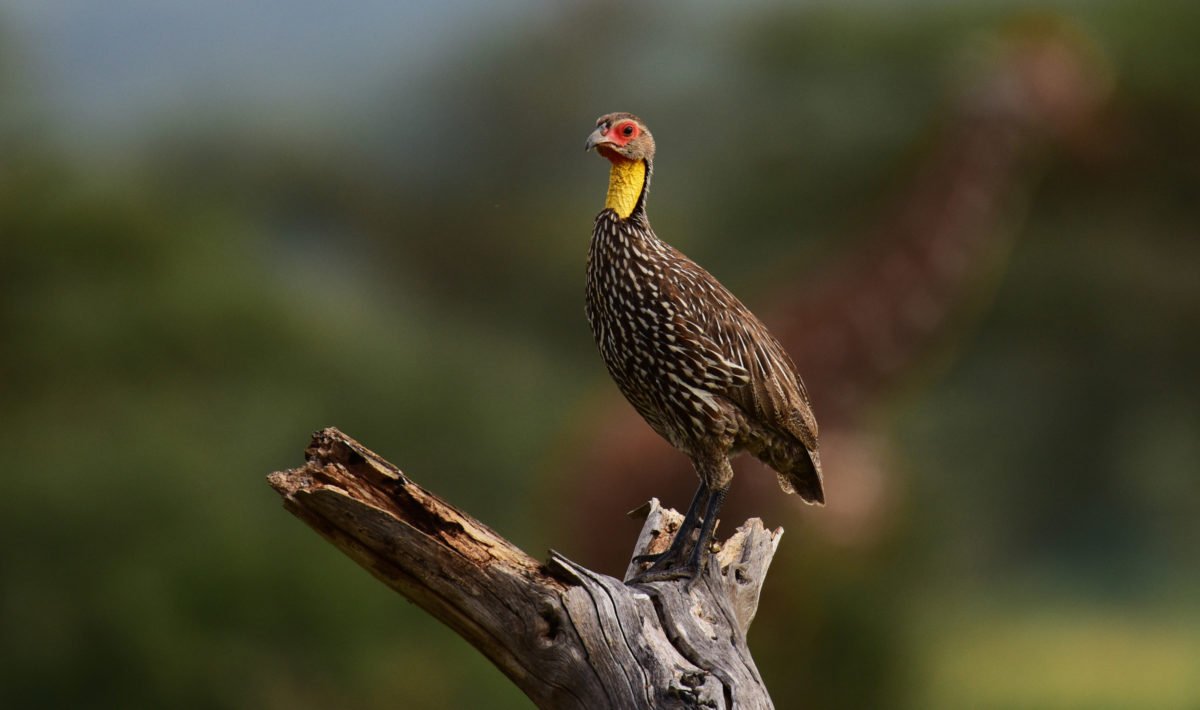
pixel 696 364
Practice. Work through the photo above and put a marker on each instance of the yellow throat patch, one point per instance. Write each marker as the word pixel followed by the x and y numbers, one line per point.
pixel 625 182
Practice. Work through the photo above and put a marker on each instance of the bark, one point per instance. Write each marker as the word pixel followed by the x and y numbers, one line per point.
pixel 566 636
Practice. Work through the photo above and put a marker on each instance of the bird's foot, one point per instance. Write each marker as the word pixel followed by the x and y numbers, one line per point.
pixel 668 574
pixel 674 552
pixel 666 568
pixel 653 557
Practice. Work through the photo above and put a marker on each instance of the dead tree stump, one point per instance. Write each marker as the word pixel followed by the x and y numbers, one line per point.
pixel 567 636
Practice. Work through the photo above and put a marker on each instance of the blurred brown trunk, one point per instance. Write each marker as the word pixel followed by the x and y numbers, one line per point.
pixel 566 636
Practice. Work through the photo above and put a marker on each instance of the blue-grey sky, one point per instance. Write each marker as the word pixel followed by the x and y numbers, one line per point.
pixel 104 65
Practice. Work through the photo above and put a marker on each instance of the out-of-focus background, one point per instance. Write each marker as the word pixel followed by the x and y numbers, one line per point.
pixel 224 225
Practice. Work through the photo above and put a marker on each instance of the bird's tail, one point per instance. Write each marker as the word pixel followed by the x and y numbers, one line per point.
pixel 803 477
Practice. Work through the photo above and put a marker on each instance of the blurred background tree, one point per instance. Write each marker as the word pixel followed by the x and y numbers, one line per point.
pixel 186 191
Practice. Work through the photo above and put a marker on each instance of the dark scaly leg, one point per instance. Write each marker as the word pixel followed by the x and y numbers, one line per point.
pixel 686 526
pixel 716 475
pixel 696 560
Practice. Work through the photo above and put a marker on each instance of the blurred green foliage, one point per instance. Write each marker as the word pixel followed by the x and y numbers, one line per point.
pixel 175 322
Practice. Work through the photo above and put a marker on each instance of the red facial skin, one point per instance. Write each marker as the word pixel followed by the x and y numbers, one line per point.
pixel 616 136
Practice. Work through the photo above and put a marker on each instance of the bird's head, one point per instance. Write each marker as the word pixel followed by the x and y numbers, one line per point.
pixel 621 136
pixel 628 145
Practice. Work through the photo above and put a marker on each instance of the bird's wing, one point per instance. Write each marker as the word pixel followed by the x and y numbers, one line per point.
pixel 718 373
pixel 776 390
pixel 750 367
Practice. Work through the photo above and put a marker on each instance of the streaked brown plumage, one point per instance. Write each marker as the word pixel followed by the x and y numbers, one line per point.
pixel 701 369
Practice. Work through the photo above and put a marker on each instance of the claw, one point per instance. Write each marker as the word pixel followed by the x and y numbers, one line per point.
pixel 655 557
pixel 663 575
pixel 665 569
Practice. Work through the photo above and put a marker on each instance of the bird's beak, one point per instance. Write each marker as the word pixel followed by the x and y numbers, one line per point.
pixel 597 138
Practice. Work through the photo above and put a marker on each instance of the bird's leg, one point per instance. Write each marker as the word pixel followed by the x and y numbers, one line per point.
pixel 696 559
pixel 667 565
pixel 686 526
pixel 716 474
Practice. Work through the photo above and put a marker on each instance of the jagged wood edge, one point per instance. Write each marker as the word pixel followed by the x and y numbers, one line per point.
pixel 567 636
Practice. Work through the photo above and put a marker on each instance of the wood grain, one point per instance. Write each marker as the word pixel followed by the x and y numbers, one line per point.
pixel 568 637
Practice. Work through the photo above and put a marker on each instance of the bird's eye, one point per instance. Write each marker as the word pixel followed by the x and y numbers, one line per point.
pixel 628 129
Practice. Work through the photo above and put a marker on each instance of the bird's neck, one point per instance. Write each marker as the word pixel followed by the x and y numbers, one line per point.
pixel 626 186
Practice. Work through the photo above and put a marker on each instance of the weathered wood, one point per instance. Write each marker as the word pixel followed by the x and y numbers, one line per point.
pixel 566 636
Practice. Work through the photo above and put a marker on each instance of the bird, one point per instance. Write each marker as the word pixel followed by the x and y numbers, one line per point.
pixel 691 358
